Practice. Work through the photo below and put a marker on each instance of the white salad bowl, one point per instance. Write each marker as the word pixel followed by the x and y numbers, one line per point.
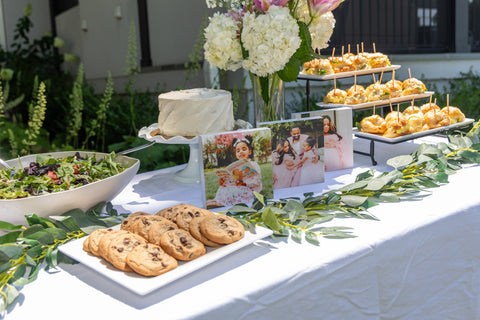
pixel 84 197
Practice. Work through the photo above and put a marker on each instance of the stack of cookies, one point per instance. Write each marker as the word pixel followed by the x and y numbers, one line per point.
pixel 151 244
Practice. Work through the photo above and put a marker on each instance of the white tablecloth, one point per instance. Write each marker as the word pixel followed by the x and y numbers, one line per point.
pixel 419 261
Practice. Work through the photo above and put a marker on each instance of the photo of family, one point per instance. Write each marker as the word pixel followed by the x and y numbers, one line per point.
pixel 235 165
pixel 297 152
pixel 337 137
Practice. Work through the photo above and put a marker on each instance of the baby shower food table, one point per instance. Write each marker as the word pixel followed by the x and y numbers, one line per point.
pixel 419 261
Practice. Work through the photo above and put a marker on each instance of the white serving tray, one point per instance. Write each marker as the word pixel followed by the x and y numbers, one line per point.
pixel 379 103
pixel 142 285
pixel 377 137
pixel 347 74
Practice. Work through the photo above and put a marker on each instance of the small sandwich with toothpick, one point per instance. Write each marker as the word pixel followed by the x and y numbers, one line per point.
pixel 454 114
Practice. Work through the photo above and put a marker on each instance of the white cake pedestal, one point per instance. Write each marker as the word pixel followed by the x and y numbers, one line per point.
pixel 189 174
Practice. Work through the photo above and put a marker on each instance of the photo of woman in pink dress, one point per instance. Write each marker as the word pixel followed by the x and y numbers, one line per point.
pixel 284 164
pixel 334 146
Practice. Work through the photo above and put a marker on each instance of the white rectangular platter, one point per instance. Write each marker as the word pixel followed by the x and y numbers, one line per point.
pixel 415 135
pixel 379 103
pixel 347 74
pixel 144 285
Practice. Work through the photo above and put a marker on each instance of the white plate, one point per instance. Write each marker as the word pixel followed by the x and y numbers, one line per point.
pixel 143 285
pixel 379 103
pixel 145 133
pixel 348 74
pixel 415 135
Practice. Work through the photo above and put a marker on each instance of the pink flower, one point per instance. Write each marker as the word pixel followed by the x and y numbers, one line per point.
pixel 323 6
pixel 263 5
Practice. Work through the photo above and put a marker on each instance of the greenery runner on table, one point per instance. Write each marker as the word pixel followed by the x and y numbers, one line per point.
pixel 24 251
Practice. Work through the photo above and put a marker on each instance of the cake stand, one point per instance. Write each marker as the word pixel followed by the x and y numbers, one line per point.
pixel 191 173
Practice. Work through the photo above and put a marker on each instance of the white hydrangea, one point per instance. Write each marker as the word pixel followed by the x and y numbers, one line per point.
pixel 321 28
pixel 270 39
pixel 222 46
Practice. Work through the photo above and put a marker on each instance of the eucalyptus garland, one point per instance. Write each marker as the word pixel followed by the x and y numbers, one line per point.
pixel 428 167
pixel 25 250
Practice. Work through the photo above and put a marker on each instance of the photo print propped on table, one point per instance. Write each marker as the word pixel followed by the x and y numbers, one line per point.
pixel 297 152
pixel 338 133
pixel 235 164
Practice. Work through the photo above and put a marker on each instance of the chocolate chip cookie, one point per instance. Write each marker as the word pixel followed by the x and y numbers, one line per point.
pixel 181 245
pixel 150 260
pixel 222 229
pixel 187 213
pixel 128 221
pixel 142 225
pixel 93 240
pixel 158 228
pixel 120 246
pixel 195 232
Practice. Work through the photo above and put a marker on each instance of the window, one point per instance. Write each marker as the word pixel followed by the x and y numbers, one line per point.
pixel 406 26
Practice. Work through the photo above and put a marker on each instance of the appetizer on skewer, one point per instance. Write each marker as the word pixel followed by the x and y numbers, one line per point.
pixel 336 96
pixel 373 124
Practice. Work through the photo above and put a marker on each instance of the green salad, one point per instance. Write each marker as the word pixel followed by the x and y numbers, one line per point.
pixel 48 175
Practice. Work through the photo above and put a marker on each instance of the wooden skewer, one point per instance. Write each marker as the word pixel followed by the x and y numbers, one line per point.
pixel 362 47
pixel 448 107
pixel 430 102
pixel 391 109
pixel 409 73
pixel 334 84
pixel 374 105
pixel 374 49
pixel 398 113
pixel 355 83
pixel 393 78
pixel 358 50
pixel 333 52
pixel 342 51
pixel 374 79
pixel 349 48
pixel 381 76
pixel 413 101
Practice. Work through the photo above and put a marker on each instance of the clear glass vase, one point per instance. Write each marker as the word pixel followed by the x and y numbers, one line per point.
pixel 269 98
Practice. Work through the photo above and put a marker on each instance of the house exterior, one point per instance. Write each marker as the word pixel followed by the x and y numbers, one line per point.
pixel 435 39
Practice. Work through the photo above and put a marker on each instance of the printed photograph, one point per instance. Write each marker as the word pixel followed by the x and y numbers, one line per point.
pixel 297 152
pixel 235 165
pixel 337 136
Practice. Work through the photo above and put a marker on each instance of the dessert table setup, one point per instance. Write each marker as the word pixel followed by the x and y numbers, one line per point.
pixel 299 218
pixel 417 261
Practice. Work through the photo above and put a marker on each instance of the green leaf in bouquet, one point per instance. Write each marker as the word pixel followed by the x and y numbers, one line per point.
pixel 42 236
pixel 337 232
pixel 400 161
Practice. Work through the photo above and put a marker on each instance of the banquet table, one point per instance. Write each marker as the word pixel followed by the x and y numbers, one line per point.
pixel 419 260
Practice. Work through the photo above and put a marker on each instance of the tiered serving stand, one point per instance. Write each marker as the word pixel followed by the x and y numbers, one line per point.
pixel 381 104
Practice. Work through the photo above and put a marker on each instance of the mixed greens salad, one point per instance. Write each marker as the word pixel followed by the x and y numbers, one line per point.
pixel 48 175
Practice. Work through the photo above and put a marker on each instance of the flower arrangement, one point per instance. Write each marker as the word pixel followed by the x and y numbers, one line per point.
pixel 268 38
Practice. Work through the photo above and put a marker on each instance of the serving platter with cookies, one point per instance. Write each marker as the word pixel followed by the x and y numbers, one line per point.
pixel 148 251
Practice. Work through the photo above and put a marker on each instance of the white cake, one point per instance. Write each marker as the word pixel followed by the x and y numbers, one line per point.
pixel 195 111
